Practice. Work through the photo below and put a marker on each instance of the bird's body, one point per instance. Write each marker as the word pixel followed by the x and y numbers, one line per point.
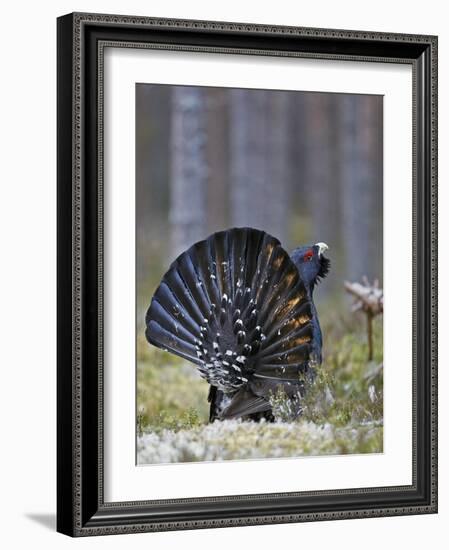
pixel 241 309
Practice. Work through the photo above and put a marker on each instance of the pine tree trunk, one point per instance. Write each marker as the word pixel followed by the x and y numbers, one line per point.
pixel 279 169
pixel 248 128
pixel 259 160
pixel 361 151
pixel 321 173
pixel 188 170
pixel 218 159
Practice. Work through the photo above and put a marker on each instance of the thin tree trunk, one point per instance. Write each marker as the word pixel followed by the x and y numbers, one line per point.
pixel 323 185
pixel 279 169
pixel 217 159
pixel 248 129
pixel 300 230
pixel 361 152
pixel 259 160
pixel 189 169
pixel 152 171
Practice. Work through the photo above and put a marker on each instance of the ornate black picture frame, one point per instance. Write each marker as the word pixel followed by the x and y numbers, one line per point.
pixel 81 510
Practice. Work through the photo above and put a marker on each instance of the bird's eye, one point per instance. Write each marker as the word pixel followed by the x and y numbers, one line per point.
pixel 308 255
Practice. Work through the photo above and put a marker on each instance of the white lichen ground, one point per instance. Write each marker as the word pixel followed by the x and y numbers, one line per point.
pixel 342 410
pixel 236 440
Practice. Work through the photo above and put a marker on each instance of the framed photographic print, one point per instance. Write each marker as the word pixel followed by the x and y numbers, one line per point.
pixel 247 281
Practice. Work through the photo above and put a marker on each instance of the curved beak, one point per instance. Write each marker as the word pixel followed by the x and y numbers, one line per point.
pixel 322 247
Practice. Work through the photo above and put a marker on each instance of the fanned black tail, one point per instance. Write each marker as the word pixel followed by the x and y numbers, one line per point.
pixel 235 306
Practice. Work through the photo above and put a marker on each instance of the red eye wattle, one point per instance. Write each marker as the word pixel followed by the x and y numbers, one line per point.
pixel 308 255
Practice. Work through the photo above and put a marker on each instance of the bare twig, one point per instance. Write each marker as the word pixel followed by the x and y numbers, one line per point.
pixel 369 299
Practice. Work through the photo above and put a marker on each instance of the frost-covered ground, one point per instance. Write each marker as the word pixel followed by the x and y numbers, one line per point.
pixel 236 440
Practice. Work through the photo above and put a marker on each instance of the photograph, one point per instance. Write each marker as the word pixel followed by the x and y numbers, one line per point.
pixel 207 207
pixel 259 273
pixel 236 202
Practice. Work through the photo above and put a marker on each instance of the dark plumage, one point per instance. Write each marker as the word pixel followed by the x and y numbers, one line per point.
pixel 241 309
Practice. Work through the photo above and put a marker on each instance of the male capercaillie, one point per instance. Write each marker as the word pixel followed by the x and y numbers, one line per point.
pixel 240 308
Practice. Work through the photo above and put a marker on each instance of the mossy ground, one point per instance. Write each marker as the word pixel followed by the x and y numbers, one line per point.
pixel 342 411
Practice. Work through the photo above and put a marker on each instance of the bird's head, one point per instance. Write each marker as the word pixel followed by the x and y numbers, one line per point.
pixel 311 263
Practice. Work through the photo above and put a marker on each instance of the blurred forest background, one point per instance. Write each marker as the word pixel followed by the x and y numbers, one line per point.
pixel 303 166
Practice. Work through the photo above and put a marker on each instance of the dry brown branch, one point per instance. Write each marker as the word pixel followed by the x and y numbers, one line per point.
pixel 370 300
